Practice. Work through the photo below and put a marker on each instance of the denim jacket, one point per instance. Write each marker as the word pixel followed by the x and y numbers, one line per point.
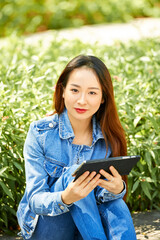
pixel 48 150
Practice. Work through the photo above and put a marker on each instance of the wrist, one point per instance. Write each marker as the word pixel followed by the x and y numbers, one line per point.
pixel 65 200
pixel 122 188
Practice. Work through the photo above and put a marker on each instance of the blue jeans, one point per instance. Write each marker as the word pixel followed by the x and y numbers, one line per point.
pixel 86 220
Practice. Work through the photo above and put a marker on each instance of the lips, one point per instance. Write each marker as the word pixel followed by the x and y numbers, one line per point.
pixel 80 110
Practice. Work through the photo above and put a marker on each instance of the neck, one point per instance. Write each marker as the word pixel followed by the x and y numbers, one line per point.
pixel 82 131
pixel 81 127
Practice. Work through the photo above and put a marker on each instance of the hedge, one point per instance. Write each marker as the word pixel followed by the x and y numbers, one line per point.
pixel 24 17
pixel 28 74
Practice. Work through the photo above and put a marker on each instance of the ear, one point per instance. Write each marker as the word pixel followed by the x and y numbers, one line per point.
pixel 102 101
pixel 63 92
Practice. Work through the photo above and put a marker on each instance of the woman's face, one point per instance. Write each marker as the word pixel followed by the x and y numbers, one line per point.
pixel 82 94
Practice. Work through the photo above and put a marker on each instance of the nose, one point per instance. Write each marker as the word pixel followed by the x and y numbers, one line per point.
pixel 82 99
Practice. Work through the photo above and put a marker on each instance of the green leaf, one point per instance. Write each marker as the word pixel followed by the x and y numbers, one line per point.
pixel 156 193
pixel 6 190
pixel 156 207
pixel 5 217
pixel 145 188
pixel 148 160
pixel 9 176
pixel 2 170
pixel 17 165
pixel 135 185
pixel 136 120
pixel 154 123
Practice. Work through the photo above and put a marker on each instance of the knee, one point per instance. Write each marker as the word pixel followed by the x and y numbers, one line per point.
pixel 118 203
pixel 116 211
pixel 117 206
pixel 117 220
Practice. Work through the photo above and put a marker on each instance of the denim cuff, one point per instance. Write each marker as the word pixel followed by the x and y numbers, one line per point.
pixel 106 196
pixel 58 207
pixel 62 207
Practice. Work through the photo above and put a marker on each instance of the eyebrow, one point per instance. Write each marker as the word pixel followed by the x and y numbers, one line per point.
pixel 75 85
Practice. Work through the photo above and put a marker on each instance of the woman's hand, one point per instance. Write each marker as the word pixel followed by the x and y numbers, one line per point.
pixel 80 188
pixel 114 183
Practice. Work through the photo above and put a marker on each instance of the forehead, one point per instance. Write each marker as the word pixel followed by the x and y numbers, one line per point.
pixel 84 76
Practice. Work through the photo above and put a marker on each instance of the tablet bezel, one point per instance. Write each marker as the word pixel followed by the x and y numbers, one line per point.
pixel 123 165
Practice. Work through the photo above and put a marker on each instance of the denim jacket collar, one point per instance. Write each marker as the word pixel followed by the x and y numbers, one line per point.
pixel 66 130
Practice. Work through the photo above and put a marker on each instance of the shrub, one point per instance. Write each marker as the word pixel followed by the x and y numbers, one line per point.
pixel 27 76
pixel 26 17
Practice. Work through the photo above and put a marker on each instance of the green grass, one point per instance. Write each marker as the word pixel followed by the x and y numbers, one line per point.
pixel 28 74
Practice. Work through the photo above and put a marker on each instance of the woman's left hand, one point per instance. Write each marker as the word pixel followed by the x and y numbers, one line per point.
pixel 114 183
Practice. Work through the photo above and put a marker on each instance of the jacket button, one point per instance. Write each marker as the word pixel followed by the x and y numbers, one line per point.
pixel 51 125
pixel 62 207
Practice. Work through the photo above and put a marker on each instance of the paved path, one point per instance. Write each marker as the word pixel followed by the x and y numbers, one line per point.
pixel 104 33
pixel 147 225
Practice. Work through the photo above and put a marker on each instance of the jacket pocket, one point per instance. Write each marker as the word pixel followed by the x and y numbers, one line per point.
pixel 53 167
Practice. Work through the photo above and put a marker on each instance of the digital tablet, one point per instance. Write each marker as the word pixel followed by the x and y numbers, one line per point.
pixel 122 164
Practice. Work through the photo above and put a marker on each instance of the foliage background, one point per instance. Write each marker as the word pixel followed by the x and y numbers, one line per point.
pixel 28 74
pixel 27 77
pixel 24 17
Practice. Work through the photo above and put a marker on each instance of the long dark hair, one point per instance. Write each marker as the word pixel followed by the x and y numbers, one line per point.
pixel 107 113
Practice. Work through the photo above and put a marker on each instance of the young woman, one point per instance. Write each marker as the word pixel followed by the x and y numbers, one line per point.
pixel 85 126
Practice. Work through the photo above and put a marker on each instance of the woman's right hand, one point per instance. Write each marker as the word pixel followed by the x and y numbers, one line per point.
pixel 80 188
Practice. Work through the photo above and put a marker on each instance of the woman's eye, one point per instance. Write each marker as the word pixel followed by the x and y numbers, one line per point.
pixel 74 90
pixel 92 93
